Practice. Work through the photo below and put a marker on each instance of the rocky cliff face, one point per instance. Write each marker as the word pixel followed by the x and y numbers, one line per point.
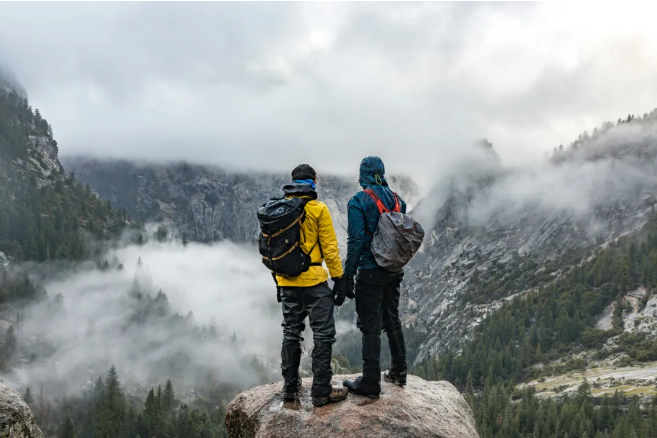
pixel 205 203
pixel 421 409
pixel 16 419
pixel 33 187
pixel 493 232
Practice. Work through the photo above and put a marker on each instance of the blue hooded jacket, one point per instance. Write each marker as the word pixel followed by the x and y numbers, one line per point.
pixel 363 215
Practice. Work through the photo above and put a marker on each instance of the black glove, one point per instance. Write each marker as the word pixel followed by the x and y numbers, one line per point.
pixel 338 291
pixel 343 287
pixel 348 282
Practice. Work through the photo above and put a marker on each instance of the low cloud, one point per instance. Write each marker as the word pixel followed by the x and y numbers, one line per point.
pixel 228 318
pixel 261 86
pixel 611 169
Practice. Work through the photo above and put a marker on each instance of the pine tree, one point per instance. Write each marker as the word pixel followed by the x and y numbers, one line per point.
pixel 158 398
pixel 10 342
pixel 114 404
pixel 66 429
pixel 538 355
pixel 27 397
pixel 151 412
pixel 162 233
pixel 168 399
pixel 469 391
pixel 97 419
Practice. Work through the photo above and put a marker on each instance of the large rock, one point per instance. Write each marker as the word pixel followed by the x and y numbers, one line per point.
pixel 16 419
pixel 421 410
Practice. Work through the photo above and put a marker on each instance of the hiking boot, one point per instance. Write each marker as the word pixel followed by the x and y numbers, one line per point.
pixel 396 378
pixel 336 395
pixel 355 387
pixel 292 396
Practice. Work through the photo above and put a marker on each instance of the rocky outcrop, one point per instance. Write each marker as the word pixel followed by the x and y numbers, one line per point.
pixel 420 410
pixel 16 419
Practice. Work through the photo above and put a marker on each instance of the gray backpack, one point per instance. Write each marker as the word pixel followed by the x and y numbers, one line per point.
pixel 397 237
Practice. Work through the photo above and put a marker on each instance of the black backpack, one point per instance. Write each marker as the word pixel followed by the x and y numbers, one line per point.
pixel 279 242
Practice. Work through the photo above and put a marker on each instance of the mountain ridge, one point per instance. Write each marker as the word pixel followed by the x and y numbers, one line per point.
pixel 207 203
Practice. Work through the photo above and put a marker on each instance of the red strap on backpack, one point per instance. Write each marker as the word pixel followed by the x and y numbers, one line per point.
pixel 380 205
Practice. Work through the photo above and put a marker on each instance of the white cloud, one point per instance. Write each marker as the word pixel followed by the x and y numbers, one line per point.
pixel 266 85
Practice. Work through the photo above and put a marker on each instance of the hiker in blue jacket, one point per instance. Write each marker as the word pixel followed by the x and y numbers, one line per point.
pixel 377 290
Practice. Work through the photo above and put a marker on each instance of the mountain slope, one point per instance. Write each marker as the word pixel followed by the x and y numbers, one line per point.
pixel 548 334
pixel 495 232
pixel 41 210
pixel 61 327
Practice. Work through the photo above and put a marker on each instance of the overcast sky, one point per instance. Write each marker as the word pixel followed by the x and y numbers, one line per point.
pixel 267 86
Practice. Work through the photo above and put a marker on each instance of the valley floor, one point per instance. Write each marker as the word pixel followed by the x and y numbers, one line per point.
pixel 603 378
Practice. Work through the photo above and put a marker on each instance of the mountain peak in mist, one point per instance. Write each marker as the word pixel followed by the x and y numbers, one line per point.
pixel 487 147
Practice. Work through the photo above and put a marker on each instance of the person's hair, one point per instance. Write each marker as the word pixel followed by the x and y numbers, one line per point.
pixel 304 171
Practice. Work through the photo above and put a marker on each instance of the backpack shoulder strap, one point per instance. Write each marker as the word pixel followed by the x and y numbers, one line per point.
pixel 306 200
pixel 397 208
pixel 379 204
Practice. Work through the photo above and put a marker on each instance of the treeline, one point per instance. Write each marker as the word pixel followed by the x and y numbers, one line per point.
pixel 18 288
pixel 547 324
pixel 560 154
pixel 107 412
pixel 504 412
pixel 42 212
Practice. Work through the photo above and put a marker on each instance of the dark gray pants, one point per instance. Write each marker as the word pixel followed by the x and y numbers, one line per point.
pixel 316 303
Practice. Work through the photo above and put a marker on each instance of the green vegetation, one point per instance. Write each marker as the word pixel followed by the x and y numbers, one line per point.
pixel 547 324
pixel 42 211
pixel 504 412
pixel 106 411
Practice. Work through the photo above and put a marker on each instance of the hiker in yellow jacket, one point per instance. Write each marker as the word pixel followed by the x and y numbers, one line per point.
pixel 309 295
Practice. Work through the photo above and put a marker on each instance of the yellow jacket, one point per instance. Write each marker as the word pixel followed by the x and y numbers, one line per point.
pixel 317 225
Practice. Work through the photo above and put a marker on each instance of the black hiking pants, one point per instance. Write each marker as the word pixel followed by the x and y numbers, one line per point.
pixel 377 305
pixel 316 303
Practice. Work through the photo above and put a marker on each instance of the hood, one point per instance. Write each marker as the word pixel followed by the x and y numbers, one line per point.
pixel 299 189
pixel 372 172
